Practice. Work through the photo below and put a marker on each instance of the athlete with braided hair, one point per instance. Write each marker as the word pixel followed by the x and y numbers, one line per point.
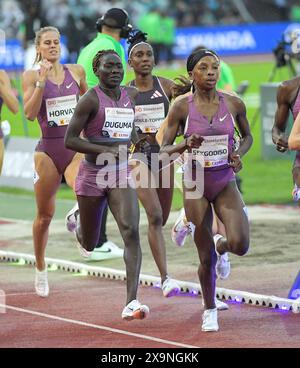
pixel 152 106
pixel 105 116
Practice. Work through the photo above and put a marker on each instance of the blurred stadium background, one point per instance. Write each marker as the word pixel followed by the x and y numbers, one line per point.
pixel 255 37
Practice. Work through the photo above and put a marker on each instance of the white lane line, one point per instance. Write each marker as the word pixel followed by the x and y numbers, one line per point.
pixel 98 327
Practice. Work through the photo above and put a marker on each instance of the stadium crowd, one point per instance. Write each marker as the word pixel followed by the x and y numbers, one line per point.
pixel 76 18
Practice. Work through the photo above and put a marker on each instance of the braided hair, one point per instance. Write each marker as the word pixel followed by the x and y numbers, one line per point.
pixel 99 56
pixel 135 38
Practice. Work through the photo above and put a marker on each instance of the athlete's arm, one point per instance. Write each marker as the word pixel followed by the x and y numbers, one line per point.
pixel 33 95
pixel 281 117
pixel 7 93
pixel 177 115
pixel 242 124
pixel 85 110
pixel 294 138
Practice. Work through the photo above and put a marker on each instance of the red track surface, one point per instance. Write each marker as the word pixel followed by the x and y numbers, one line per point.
pixel 77 301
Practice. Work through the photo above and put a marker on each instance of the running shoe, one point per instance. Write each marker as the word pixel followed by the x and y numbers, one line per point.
pixel 135 310
pixel 170 287
pixel 180 230
pixel 83 252
pixel 71 218
pixel 210 320
pixel 296 193
pixel 223 264
pixel 221 306
pixel 41 283
pixel 108 250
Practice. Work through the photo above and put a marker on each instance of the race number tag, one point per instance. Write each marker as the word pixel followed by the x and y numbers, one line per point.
pixel 214 150
pixel 118 122
pixel 60 110
pixel 148 118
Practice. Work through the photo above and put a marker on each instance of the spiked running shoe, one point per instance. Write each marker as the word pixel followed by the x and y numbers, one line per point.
pixel 135 310
pixel 223 264
pixel 180 230
pixel 170 288
pixel 71 218
pixel 210 320
pixel 41 283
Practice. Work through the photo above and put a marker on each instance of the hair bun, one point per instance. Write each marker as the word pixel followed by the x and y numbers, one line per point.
pixel 136 36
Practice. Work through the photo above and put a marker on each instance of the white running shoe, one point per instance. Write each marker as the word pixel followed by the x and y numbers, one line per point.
pixel 170 288
pixel 180 230
pixel 108 250
pixel 223 264
pixel 83 252
pixel 210 320
pixel 135 310
pixel 71 218
pixel 41 283
pixel 219 304
pixel 296 193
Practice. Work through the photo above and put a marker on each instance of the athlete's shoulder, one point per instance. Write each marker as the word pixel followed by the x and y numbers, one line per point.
pixel 132 91
pixel 76 68
pixel 30 74
pixel 288 86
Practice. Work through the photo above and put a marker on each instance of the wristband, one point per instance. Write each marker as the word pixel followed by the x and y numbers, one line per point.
pixel 40 84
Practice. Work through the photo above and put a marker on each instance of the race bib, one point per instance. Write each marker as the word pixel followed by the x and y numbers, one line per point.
pixel 214 150
pixel 118 122
pixel 148 118
pixel 60 110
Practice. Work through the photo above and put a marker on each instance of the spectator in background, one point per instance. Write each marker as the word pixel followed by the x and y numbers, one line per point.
pixel 150 23
pixel 168 27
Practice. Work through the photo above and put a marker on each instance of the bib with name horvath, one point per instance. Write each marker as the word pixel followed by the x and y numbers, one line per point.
pixel 60 110
pixel 118 122
pixel 148 118
pixel 214 150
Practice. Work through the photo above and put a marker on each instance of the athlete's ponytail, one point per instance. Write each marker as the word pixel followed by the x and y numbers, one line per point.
pixel 185 85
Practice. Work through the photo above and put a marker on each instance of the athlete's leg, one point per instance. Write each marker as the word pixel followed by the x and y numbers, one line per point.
pixel 90 214
pixel 199 213
pixel 72 170
pixel 230 208
pixel 165 191
pixel 47 181
pixel 123 204
pixel 150 201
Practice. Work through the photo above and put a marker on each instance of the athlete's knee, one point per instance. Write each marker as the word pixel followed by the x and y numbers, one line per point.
pixel 208 262
pixel 130 232
pixel 239 244
pixel 44 220
pixel 155 218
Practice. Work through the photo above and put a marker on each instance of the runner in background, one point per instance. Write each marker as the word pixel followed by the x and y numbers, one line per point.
pixel 152 106
pixel 8 98
pixel 288 99
pixel 294 137
pixel 105 116
pixel 112 27
pixel 50 95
